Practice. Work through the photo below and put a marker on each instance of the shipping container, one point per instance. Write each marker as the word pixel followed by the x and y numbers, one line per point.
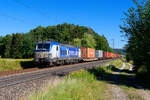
pixel 107 54
pixel 87 53
pixel 99 54
pixel 104 54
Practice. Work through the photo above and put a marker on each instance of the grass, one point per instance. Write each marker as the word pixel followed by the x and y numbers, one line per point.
pixel 130 91
pixel 127 66
pixel 81 85
pixel 116 63
pixel 92 84
pixel 14 64
pixel 77 86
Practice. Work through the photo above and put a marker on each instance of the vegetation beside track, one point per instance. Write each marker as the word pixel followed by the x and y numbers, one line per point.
pixel 77 86
pixel 15 64
pixel 116 63
pixel 92 84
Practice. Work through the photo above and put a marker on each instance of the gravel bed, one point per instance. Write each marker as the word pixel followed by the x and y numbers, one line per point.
pixel 22 90
pixel 13 72
pixel 19 91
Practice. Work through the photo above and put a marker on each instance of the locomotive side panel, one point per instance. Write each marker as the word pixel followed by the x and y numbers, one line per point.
pixel 73 52
pixel 63 52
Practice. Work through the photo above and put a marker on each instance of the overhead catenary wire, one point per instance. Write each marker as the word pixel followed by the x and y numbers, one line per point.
pixel 33 9
pixel 21 20
pixel 11 17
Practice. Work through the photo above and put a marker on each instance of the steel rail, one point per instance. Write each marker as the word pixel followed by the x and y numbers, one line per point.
pixel 17 79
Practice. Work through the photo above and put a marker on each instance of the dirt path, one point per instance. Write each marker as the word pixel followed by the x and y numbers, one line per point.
pixel 123 66
pixel 131 67
pixel 116 91
pixel 142 92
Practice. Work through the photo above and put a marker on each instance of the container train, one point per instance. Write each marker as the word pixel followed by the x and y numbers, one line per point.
pixel 54 53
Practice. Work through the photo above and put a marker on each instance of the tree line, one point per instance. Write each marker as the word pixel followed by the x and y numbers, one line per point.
pixel 21 45
pixel 136 29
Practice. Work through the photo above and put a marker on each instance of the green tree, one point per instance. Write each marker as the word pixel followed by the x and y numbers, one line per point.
pixel 102 43
pixel 1 45
pixel 77 42
pixel 28 47
pixel 136 29
pixel 21 45
pixel 6 48
pixel 16 46
pixel 88 41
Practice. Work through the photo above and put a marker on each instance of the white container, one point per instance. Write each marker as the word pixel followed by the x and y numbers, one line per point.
pixel 99 54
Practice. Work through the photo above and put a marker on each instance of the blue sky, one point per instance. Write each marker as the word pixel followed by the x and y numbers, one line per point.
pixel 104 16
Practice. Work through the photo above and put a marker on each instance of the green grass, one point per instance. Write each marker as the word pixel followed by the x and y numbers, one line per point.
pixel 14 64
pixel 77 86
pixel 116 63
pixel 131 91
pixel 127 66
pixel 84 85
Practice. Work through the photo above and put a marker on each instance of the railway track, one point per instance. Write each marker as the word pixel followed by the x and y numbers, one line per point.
pixel 21 78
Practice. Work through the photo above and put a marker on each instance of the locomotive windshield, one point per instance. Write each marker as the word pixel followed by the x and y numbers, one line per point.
pixel 43 46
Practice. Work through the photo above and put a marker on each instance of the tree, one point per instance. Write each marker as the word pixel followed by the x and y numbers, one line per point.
pixel 88 41
pixel 1 45
pixel 17 45
pixel 28 47
pixel 102 43
pixel 6 46
pixel 77 42
pixel 136 29
pixel 21 45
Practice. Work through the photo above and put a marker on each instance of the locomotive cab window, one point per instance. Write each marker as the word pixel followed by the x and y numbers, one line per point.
pixel 43 46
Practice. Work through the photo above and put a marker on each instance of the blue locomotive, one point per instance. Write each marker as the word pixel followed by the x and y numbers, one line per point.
pixel 53 53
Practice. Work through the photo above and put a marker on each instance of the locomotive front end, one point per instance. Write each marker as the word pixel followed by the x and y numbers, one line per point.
pixel 42 52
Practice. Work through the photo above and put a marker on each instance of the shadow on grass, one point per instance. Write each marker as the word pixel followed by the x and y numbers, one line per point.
pixel 113 68
pixel 27 64
pixel 128 80
pixel 32 64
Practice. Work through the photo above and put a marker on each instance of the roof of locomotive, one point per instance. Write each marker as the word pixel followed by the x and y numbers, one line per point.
pixel 61 44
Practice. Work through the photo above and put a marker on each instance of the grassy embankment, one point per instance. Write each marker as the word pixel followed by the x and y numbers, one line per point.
pixel 77 86
pixel 87 85
pixel 83 85
pixel 15 64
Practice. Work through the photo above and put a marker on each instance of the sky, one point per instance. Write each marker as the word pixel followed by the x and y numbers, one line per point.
pixel 103 16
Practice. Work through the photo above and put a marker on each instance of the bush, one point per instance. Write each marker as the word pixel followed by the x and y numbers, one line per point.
pixel 142 70
pixel 143 75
